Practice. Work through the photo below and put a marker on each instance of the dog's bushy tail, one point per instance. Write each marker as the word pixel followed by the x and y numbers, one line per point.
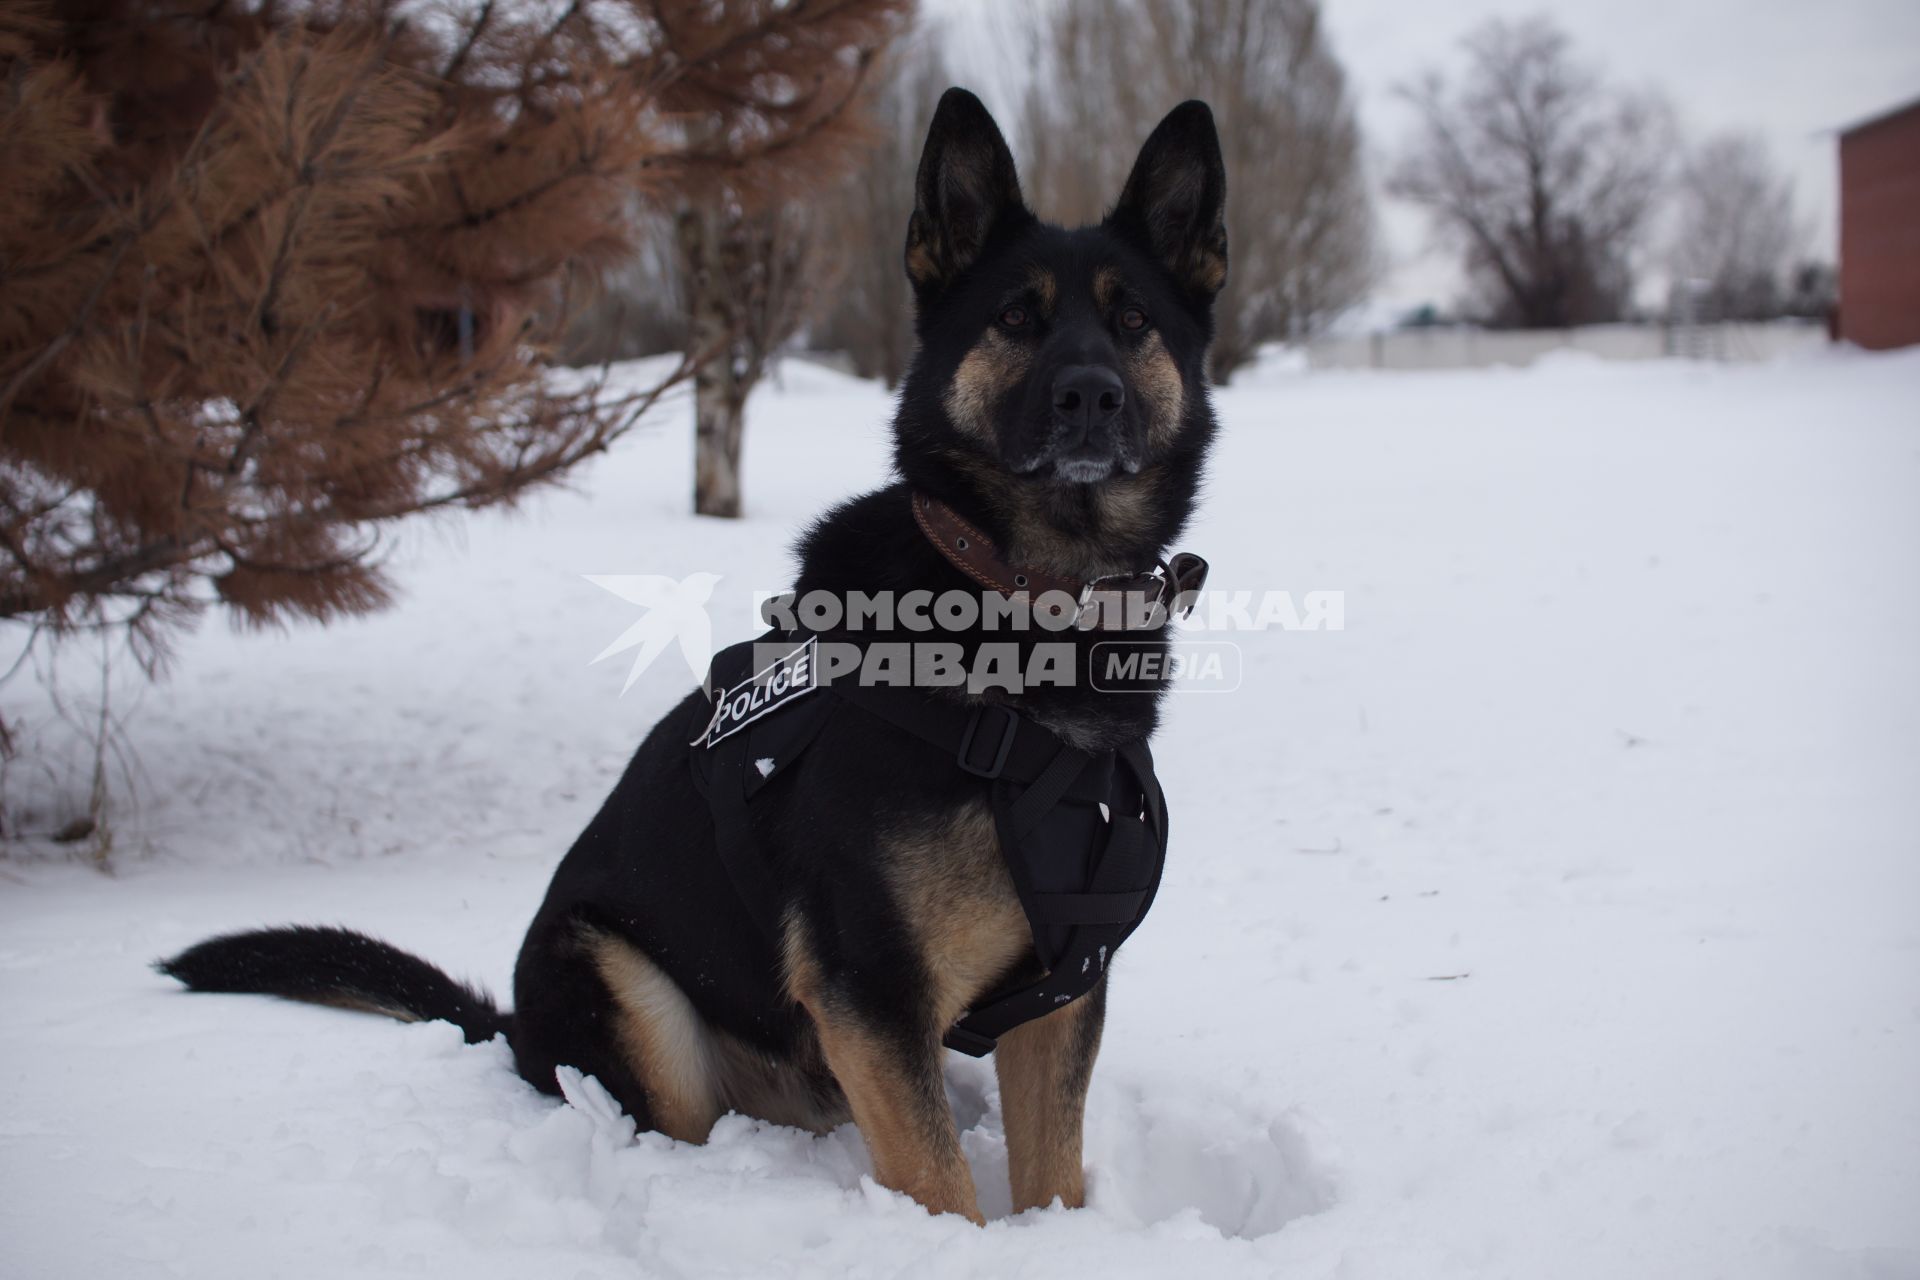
pixel 336 967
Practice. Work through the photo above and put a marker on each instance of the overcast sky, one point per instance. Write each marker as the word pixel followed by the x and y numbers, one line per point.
pixel 1792 70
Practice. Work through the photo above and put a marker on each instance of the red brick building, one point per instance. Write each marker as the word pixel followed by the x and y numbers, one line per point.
pixel 1880 230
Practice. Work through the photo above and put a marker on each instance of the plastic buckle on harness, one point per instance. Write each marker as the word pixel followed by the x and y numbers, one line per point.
pixel 964 757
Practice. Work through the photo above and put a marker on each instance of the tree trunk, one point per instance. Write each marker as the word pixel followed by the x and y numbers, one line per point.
pixel 719 396
pixel 716 459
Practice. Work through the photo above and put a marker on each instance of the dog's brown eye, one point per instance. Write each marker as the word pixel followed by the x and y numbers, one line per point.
pixel 1133 318
pixel 1013 317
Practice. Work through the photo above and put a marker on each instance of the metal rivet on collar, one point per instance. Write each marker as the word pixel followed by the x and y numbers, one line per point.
pixel 961 543
pixel 1019 579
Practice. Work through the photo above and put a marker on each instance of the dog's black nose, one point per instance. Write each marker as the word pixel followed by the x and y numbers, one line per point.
pixel 1088 395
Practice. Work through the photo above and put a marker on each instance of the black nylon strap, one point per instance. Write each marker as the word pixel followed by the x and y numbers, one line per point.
pixel 949 725
pixel 1140 760
pixel 1127 861
pixel 1090 908
pixel 1061 772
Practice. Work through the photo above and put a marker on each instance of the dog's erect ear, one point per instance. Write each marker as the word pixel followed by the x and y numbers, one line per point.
pixel 1175 202
pixel 966 188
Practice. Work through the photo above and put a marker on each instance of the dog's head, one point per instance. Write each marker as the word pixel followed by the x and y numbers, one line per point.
pixel 1062 359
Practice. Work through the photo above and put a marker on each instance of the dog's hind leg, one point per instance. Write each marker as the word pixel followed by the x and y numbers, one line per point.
pixel 666 1045
pixel 1044 1068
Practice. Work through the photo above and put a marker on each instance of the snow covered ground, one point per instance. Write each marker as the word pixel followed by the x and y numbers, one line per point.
pixel 1559 917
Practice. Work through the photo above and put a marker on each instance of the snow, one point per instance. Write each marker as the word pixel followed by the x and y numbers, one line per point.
pixel 1554 917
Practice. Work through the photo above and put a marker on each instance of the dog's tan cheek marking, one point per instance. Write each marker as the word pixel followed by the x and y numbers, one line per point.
pixel 1156 378
pixel 662 1036
pixel 991 369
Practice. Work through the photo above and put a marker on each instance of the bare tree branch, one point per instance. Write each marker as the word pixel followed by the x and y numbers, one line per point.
pixel 1542 173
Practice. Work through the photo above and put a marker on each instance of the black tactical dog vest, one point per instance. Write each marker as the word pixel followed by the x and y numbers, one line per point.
pixel 1084 833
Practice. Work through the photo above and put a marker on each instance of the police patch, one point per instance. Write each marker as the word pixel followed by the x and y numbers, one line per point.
pixel 788 677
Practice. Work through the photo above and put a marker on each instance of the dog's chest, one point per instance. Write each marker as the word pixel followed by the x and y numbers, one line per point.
pixel 958 902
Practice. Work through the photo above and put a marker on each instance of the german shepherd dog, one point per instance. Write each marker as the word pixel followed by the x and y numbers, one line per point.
pixel 1058 401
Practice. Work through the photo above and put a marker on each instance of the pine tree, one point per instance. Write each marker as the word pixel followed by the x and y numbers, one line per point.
pixel 275 276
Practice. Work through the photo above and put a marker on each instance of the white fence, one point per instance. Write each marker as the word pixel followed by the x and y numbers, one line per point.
pixel 1463 348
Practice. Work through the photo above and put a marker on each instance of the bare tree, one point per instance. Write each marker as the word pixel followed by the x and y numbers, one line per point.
pixel 1299 220
pixel 750 278
pixel 1737 236
pixel 871 315
pixel 1544 175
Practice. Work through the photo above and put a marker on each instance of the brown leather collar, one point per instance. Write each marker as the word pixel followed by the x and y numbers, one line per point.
pixel 1115 602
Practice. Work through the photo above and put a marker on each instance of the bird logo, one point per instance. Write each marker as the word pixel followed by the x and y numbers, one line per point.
pixel 675 611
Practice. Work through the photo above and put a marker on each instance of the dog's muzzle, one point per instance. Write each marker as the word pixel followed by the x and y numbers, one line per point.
pixel 1087 404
